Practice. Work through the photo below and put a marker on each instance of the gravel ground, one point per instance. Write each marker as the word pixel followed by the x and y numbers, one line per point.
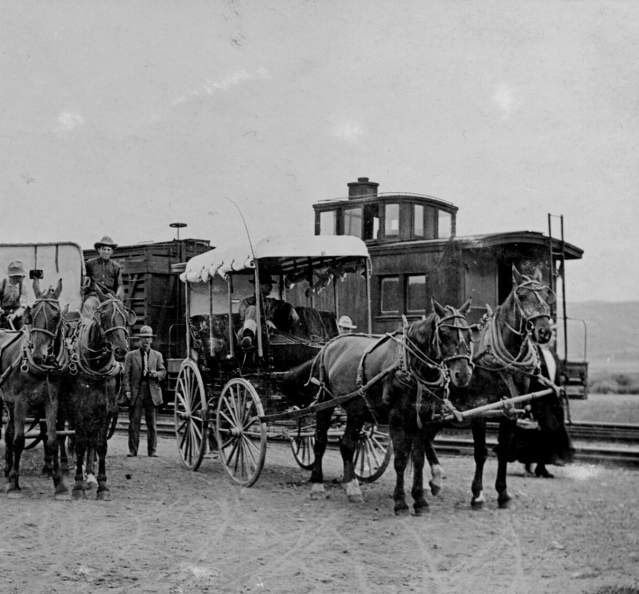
pixel 170 530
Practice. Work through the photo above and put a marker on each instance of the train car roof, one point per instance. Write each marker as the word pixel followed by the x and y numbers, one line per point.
pixel 280 254
pixel 572 252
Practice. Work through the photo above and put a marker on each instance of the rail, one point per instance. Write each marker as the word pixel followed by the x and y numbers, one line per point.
pixel 613 443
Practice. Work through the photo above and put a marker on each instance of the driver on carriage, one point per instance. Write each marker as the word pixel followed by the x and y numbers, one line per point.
pixel 277 314
pixel 102 275
pixel 13 300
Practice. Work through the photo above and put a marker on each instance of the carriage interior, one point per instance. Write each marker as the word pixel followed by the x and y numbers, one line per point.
pixel 214 298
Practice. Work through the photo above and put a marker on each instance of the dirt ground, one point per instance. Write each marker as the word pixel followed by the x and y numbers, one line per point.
pixel 173 531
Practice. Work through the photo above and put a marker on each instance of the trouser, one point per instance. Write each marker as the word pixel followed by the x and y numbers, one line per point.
pixel 143 402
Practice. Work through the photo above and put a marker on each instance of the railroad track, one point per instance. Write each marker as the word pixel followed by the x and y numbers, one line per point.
pixel 611 443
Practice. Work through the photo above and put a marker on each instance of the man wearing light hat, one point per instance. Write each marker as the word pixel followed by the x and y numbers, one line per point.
pixel 102 274
pixel 13 300
pixel 345 325
pixel 143 371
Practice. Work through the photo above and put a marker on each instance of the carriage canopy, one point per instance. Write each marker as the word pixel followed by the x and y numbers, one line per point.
pixel 291 256
pixel 49 262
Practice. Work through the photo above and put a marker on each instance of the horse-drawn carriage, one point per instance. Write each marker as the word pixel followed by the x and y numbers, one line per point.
pixel 229 398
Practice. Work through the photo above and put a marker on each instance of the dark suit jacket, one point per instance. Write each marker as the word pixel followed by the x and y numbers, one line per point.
pixel 133 368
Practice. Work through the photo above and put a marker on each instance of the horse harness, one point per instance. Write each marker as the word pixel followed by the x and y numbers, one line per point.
pixel 408 353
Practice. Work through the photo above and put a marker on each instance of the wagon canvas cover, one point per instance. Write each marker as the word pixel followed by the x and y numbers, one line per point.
pixel 55 260
pixel 290 254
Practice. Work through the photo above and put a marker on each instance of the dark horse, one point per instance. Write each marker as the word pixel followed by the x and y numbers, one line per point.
pixel 31 361
pixel 506 361
pixel 399 379
pixel 91 385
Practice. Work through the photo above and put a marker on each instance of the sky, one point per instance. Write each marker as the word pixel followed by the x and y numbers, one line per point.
pixel 119 118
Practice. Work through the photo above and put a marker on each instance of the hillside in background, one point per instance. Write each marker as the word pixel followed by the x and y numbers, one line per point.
pixel 612 331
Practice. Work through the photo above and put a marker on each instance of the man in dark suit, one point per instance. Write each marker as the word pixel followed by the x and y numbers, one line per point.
pixel 143 371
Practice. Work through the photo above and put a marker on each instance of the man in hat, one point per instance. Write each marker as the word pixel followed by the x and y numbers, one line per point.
pixel 345 325
pixel 13 300
pixel 143 371
pixel 102 274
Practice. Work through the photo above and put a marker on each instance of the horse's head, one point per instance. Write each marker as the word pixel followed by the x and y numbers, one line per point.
pixel 454 341
pixel 441 340
pixel 114 320
pixel 44 319
pixel 532 300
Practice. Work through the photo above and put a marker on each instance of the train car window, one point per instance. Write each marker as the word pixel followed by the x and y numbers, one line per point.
pixel 444 225
pixel 391 220
pixel 353 222
pixel 390 297
pixel 328 222
pixel 418 221
pixel 416 293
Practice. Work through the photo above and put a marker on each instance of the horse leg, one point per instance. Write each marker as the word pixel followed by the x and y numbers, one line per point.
pixel 79 486
pixel 8 443
pixel 89 468
pixel 347 447
pixel 420 503
pixel 51 446
pixel 17 422
pixel 322 422
pixel 480 453
pixel 504 439
pixel 47 469
pixel 542 471
pixel 101 450
pixel 401 447
pixel 436 471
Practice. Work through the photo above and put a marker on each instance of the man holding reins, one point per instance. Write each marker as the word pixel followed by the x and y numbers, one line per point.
pixel 102 274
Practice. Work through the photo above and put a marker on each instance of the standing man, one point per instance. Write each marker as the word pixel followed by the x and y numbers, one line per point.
pixel 13 300
pixel 102 274
pixel 143 371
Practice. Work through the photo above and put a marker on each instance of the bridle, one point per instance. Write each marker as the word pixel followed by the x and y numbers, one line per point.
pixel 118 309
pixel 526 360
pixel 39 308
pixel 81 361
pixel 527 321
pixel 412 352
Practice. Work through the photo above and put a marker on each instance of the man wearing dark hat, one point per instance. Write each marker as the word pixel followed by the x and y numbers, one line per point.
pixel 13 300
pixel 103 273
pixel 143 371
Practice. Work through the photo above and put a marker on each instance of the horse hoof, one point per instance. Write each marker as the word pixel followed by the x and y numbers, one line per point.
pixel 420 509
pixel 46 471
pixel 91 481
pixel 61 495
pixel 318 492
pixel 401 509
pixel 476 504
pixel 104 495
pixel 504 502
pixel 13 493
pixel 434 488
pixel 356 498
pixel 78 494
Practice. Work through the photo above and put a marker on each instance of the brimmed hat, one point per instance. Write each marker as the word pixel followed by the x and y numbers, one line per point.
pixel 16 268
pixel 106 241
pixel 145 332
pixel 346 322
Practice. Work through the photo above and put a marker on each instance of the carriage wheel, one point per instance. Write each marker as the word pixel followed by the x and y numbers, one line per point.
pixel 241 436
pixel 303 442
pixel 34 433
pixel 372 453
pixel 191 415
